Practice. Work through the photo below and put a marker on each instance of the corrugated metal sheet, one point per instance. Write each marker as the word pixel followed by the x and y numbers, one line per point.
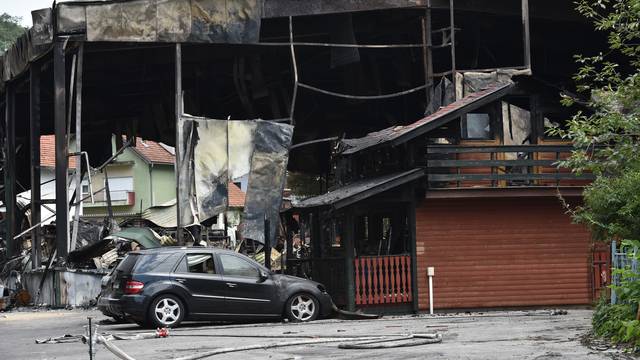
pixel 501 252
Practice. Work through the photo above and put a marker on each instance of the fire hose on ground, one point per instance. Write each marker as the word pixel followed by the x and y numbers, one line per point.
pixel 346 342
pixel 365 342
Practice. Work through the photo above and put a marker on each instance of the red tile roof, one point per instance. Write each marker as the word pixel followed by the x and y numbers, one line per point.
pixel 236 196
pixel 149 150
pixel 48 152
pixel 153 152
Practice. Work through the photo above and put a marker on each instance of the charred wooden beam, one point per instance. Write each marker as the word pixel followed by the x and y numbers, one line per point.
pixel 457 149
pixel 349 247
pixel 411 220
pixel 498 177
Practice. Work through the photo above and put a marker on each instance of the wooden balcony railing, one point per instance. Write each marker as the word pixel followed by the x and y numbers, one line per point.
pixel 500 166
pixel 382 279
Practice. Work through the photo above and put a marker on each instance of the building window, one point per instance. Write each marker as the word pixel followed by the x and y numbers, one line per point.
pixel 476 126
pixel 119 187
pixel 85 188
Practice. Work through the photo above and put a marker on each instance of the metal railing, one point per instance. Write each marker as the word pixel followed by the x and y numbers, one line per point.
pixel 621 259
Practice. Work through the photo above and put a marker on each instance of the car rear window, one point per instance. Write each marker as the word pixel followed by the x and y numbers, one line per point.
pixel 126 266
pixel 153 262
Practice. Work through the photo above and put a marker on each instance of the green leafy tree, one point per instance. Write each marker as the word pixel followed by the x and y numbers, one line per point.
pixel 10 30
pixel 607 137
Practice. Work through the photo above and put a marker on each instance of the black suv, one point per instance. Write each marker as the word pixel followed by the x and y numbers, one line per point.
pixel 163 286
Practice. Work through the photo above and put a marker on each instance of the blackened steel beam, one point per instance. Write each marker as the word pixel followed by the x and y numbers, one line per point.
pixel 78 148
pixel 284 8
pixel 10 169
pixel 179 143
pixel 62 161
pixel 267 243
pixel 426 52
pixel 108 194
pixel 34 130
pixel 453 38
pixel 525 34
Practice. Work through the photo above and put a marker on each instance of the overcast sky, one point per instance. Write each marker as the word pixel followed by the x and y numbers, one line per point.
pixel 22 8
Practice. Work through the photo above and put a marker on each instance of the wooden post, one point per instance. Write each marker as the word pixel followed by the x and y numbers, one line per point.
pixel 62 161
pixel 411 215
pixel 34 131
pixel 349 258
pixel 10 169
pixel 316 249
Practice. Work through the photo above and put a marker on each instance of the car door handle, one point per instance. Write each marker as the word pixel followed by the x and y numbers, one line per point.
pixel 231 285
pixel 181 280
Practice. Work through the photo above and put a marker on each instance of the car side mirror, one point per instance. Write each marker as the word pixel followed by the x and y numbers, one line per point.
pixel 263 275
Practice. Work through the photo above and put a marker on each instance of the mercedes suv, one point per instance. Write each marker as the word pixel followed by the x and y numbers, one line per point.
pixel 162 287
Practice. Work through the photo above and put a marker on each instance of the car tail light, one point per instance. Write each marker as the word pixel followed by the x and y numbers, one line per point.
pixel 133 287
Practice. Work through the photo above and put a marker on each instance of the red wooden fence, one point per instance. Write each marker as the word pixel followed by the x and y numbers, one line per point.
pixel 383 279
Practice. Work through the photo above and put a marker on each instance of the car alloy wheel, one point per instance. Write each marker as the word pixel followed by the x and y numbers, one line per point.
pixel 167 311
pixel 303 307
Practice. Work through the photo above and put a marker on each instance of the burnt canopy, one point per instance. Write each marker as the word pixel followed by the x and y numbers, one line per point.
pixel 129 82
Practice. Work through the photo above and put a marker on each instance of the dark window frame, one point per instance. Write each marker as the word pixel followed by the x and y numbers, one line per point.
pixel 183 264
pixel 464 135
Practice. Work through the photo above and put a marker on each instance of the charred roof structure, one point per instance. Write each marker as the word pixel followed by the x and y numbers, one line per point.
pixel 335 70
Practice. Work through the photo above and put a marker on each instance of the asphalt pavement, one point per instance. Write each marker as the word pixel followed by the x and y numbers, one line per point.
pixel 535 334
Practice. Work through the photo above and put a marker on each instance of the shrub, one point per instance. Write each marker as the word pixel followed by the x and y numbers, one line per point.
pixel 617 322
pixel 609 319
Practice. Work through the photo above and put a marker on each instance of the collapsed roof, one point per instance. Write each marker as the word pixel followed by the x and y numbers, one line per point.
pixel 395 135
pixel 360 190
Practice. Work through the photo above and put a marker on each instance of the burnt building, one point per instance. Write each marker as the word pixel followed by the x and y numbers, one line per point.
pixel 421 124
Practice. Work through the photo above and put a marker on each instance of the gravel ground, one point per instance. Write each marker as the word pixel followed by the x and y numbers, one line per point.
pixel 491 335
